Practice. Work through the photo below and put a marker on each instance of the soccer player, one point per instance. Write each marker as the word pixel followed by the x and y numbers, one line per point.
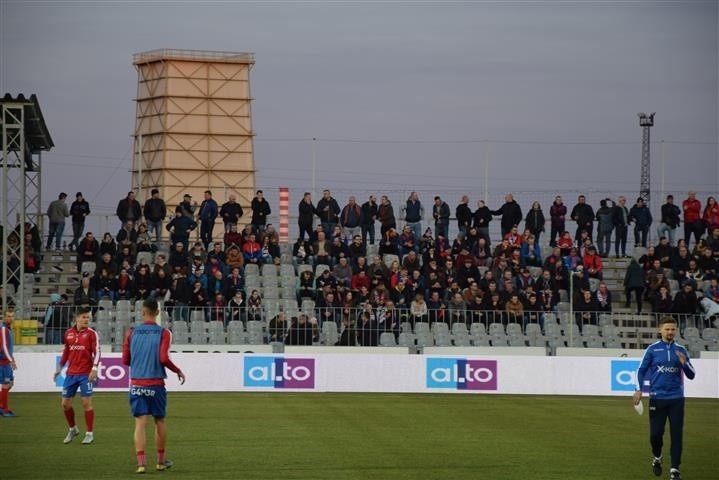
pixel 147 351
pixel 7 362
pixel 665 363
pixel 82 354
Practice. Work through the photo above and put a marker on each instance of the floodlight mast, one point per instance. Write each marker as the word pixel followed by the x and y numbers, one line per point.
pixel 646 121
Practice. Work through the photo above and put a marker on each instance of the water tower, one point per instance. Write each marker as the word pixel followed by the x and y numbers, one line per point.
pixel 193 127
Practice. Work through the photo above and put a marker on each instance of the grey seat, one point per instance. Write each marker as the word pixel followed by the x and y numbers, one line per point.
pixel 406 339
pixel 496 329
pixel 387 340
pixel 198 332
pixel 517 341
pixel 459 328
pixel 424 339
pixel 197 316
pixel 480 340
pixel 105 304
pixel 330 334
pixel 123 306
pixel 421 328
pixel 462 339
pixel 236 334
pixel 144 258
pixel 439 328
pixel 514 329
pixel 442 340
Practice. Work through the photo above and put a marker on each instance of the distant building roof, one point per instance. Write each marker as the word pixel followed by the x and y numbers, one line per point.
pixel 192 56
pixel 37 136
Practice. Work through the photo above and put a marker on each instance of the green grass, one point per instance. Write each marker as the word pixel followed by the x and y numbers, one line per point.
pixel 359 436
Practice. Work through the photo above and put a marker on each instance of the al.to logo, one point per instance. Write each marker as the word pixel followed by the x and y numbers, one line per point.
pixel 279 372
pixel 461 374
pixel 624 376
pixel 112 373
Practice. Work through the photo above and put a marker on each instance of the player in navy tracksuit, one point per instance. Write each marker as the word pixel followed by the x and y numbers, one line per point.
pixel 147 351
pixel 664 365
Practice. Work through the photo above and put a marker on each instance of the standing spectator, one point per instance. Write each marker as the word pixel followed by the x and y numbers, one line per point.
pixel 711 215
pixel 231 212
pixel 350 219
pixel 511 214
pixel 642 218
pixel 129 209
pixel 180 228
pixel 84 294
pixel 482 217
pixel 583 214
pixel 692 218
pixel 620 217
pixel 369 215
pixel 440 212
pixel 208 214
pixel 306 217
pixel 57 212
pixel 385 213
pixel 535 221
pixel 328 210
pixel 670 220
pixel 557 213
pixel 260 211
pixel 463 214
pixel 413 213
pixel 605 225
pixel 78 211
pixel 187 207
pixel 634 282
pixel 155 212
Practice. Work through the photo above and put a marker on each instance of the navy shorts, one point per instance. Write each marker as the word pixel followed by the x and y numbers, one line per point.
pixel 73 382
pixel 6 374
pixel 148 401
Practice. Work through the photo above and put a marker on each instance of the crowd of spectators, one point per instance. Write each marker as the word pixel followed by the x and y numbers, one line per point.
pixel 417 273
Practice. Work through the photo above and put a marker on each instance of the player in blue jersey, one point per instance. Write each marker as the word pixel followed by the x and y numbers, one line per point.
pixel 665 363
pixel 7 362
pixel 147 351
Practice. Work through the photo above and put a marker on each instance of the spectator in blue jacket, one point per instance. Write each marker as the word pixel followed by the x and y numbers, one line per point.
pixel 208 214
pixel 642 218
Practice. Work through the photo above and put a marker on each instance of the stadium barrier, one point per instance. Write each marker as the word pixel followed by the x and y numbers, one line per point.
pixel 333 372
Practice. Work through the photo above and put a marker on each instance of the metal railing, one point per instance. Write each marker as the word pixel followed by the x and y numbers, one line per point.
pixel 308 324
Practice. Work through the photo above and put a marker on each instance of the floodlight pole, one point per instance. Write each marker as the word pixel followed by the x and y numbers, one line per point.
pixel 646 121
pixel 571 308
pixel 314 169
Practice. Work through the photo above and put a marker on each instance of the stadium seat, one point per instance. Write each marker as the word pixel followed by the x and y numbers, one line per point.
pixel 517 341
pixel 104 330
pixel 302 268
pixel 593 284
pixel 236 334
pixel 270 281
pixel 710 333
pixel 179 326
pixel 269 269
pixel 499 340
pixel 496 329
pixel 424 339
pixel 103 315
pixel 123 306
pixel 480 339
pixel 405 327
pixel 252 269
pixel 563 296
pixel 255 332
pixel 197 316
pixel 605 319
pixel 555 342
pixel 514 329
pixel 216 333
pixel 329 334
pixel 612 342
pixel 462 339
pixel 88 267
pixel 594 342
pixel 421 328
pixel 690 333
pixel 198 332
pixel 287 270
pixel 288 293
pixel 477 329
pixel 270 292
pixel 105 304
pixel 144 258
pixel 406 339
pixel 288 282
pixel 387 340
pixel 590 331
pixel 320 268
pixel 441 339
pixel 388 258
pixel 459 328
pixel 550 317
pixel 440 328
pixel 123 316
pixel 308 306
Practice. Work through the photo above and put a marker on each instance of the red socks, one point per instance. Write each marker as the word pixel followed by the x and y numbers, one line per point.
pixel 3 399
pixel 160 457
pixel 141 457
pixel 89 419
pixel 70 417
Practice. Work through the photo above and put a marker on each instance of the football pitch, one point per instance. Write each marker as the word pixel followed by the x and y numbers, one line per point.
pixel 359 436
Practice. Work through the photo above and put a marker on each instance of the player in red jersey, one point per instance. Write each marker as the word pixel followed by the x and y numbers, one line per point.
pixel 82 354
pixel 7 362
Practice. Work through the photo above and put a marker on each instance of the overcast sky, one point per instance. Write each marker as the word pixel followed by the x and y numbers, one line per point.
pixel 413 85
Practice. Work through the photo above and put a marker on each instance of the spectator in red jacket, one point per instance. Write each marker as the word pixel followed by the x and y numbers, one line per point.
pixel 252 251
pixel 592 263
pixel 692 218
pixel 711 215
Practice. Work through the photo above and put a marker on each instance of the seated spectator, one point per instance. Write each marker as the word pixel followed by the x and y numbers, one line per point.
pixel 105 285
pixel 161 284
pixel 593 264
pixel 531 253
pixel 389 245
pixel 143 283
pixel 125 255
pixel 218 309
pixel 144 240
pixel 585 309
pixel 565 243
pixel 252 251
pixel 693 273
pixel 125 287
pixel 338 249
pixel 711 289
pixel 84 295
pixel 215 284
pixel 343 272
pixel 321 249
pixel 254 306
pixel 686 304
pixel 305 285
pixel 603 298
pixel 236 307
pixel 662 301
pixel 407 242
pixel 108 245
pixel 277 328
pixel 233 237
pixel 418 309
pixel 359 280
pixel 456 309
pixel 411 262
pixel 127 236
pixel 573 260
pixel 161 264
pixel 233 283
pixel 302 253
pixel 533 311
pixel 514 309
pixel 235 259
pixel 217 252
pixel 32 260
pixel 301 331
pixel 328 308
pixel 178 257
pixel 198 297
pixel 707 264
pixel 196 272
pixel 367 330
pixel 388 318
pixel 87 250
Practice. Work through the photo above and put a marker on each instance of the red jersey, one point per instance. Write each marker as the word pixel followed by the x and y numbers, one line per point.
pixel 692 210
pixel 711 216
pixel 82 350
